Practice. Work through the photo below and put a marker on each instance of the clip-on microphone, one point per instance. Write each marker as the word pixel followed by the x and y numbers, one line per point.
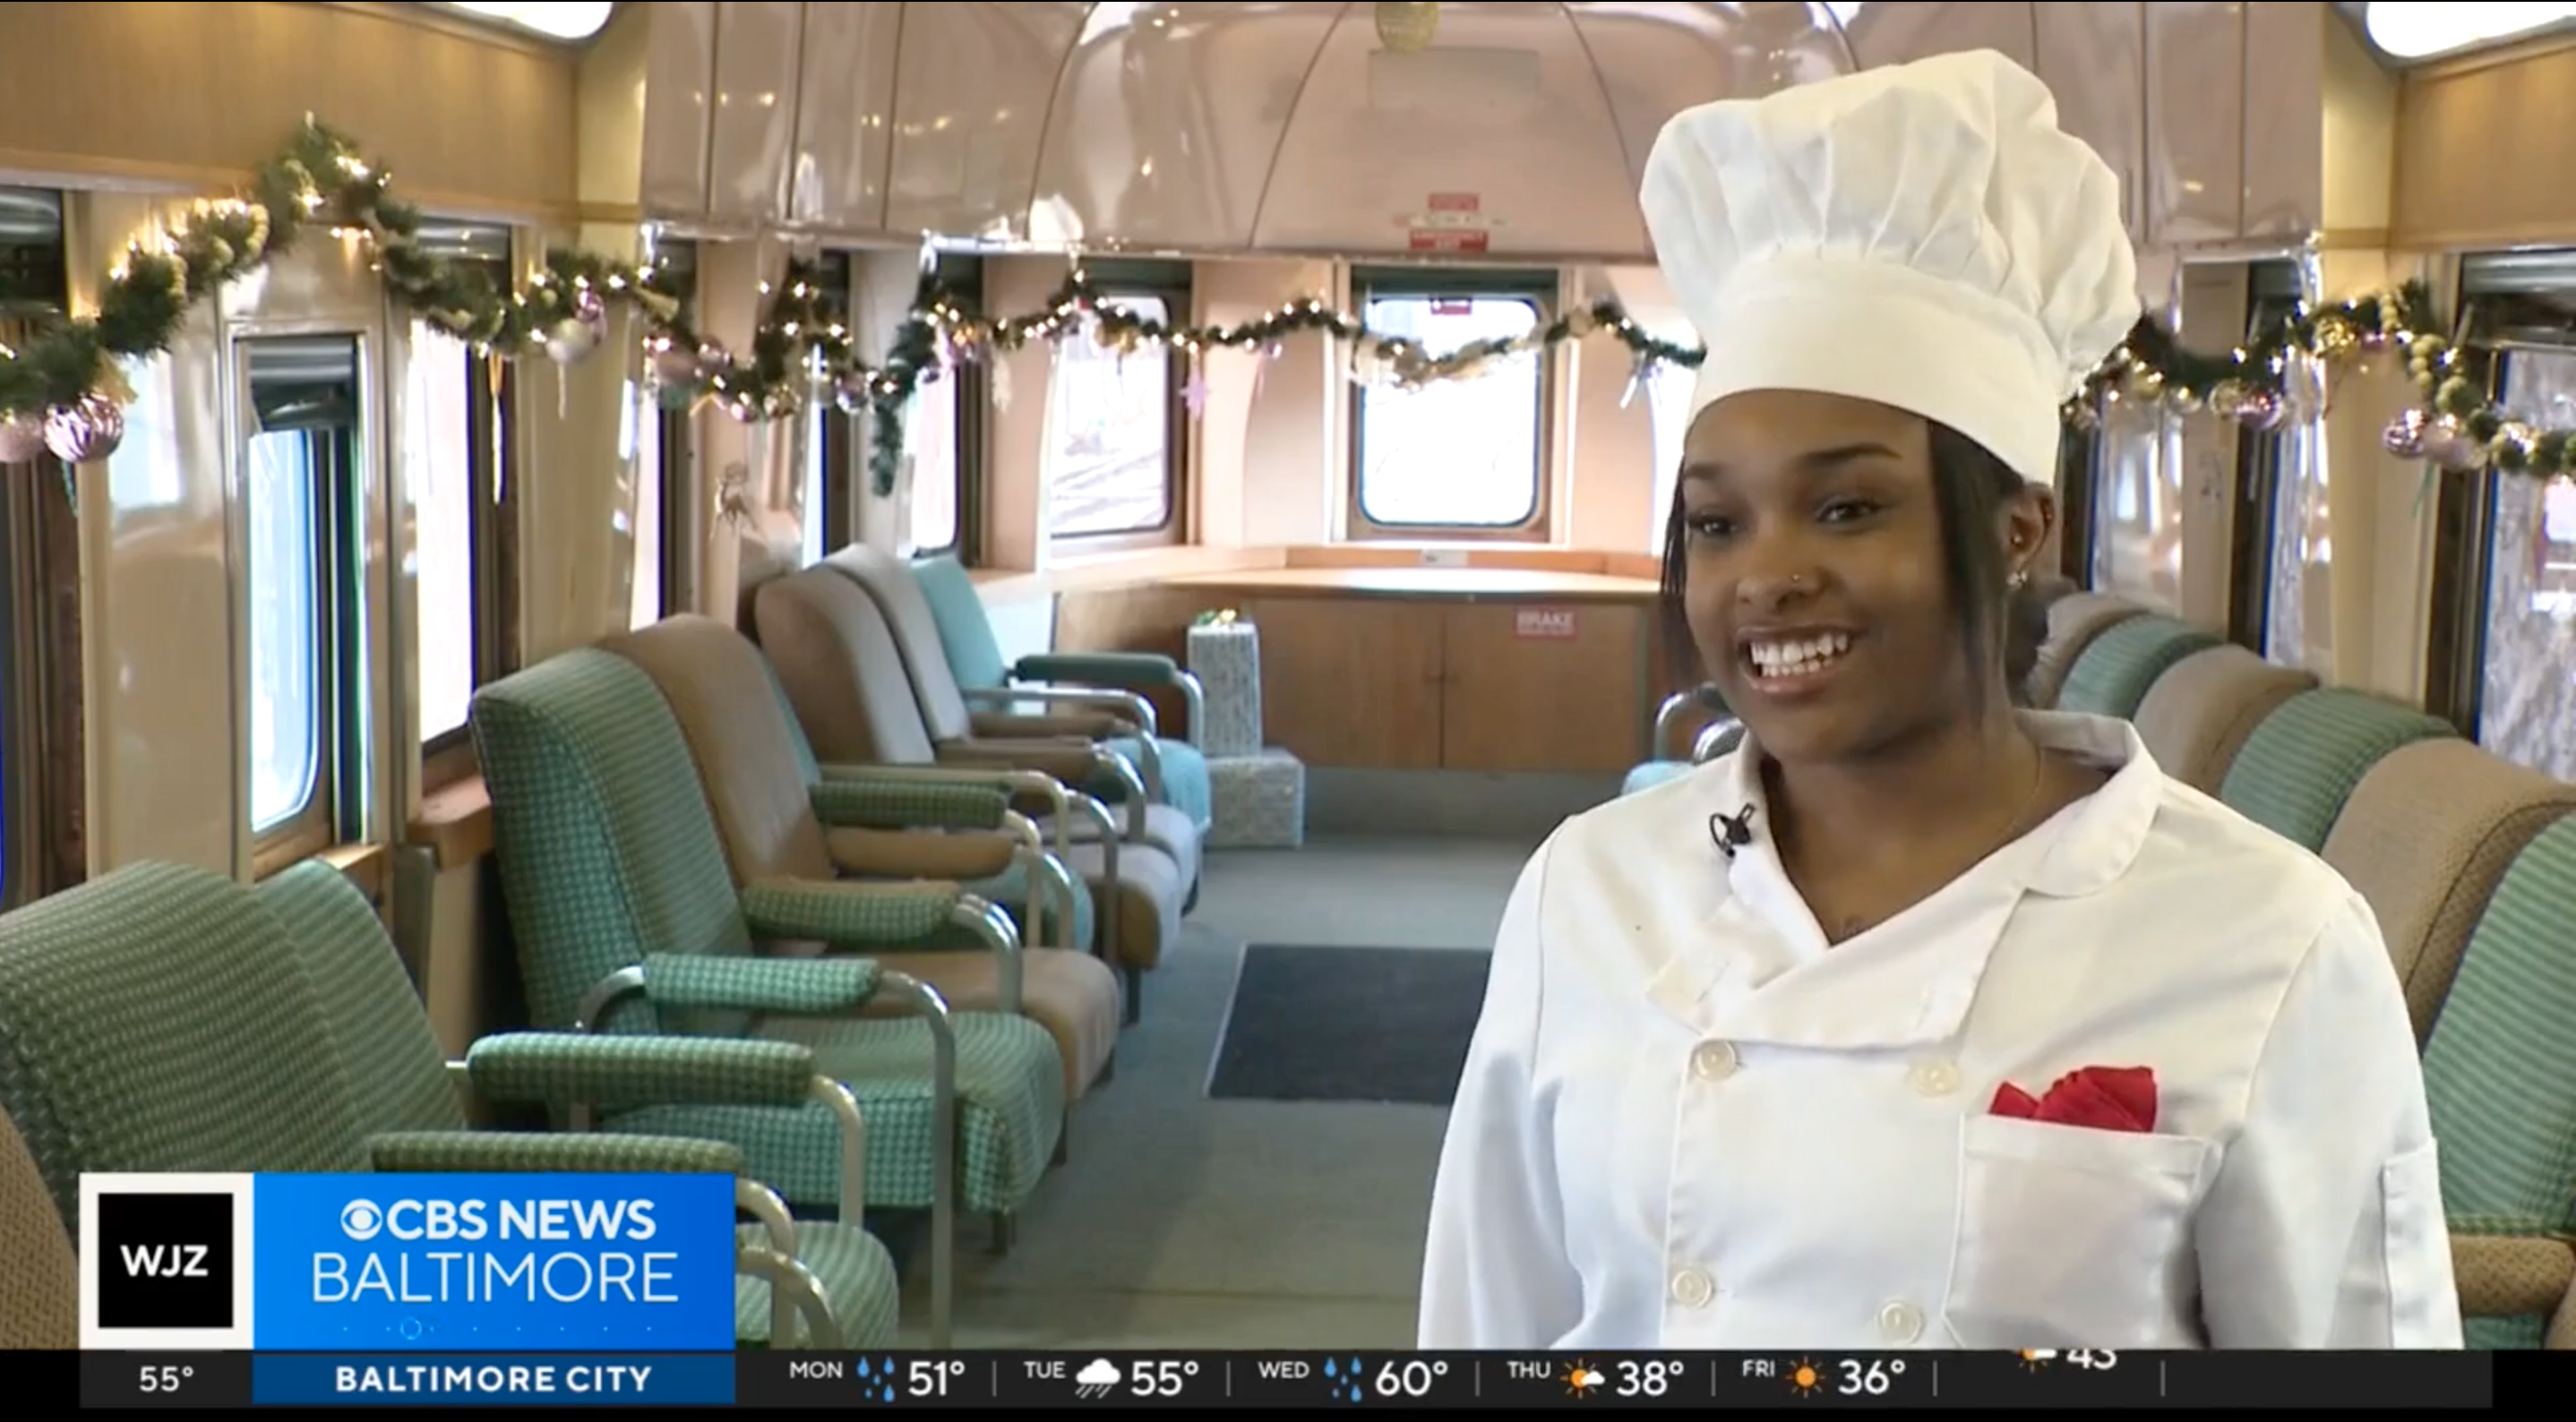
pixel 1737 831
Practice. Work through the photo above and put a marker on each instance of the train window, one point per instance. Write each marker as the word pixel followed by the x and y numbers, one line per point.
pixel 930 430
pixel 286 628
pixel 819 432
pixel 2527 696
pixel 454 471
pixel 1454 456
pixel 640 443
pixel 299 495
pixel 1667 393
pixel 2298 621
pixel 2138 507
pixel 1110 452
pixel 438 455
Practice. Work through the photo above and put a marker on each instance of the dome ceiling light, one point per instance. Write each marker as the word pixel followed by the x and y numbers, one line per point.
pixel 554 19
pixel 2421 31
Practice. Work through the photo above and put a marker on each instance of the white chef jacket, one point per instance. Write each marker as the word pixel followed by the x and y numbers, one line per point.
pixel 1685 1123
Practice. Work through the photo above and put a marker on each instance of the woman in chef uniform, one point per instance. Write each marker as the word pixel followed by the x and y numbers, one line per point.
pixel 1918 1020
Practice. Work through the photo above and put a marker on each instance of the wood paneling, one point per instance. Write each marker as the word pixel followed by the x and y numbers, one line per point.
pixel 1350 685
pixel 1414 669
pixel 1537 687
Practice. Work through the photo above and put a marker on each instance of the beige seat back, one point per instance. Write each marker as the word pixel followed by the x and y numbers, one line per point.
pixel 890 582
pixel 2073 622
pixel 2197 715
pixel 837 659
pixel 39 1278
pixel 738 731
pixel 2425 837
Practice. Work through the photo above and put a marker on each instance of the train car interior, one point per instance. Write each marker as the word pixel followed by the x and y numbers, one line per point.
pixel 1001 591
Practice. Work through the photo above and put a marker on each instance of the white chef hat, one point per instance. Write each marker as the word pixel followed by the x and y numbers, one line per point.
pixel 1922 235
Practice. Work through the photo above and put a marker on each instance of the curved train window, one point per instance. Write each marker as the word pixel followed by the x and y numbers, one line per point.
pixel 41 764
pixel 2527 699
pixel 455 458
pixel 1454 456
pixel 2502 659
pixel 2280 603
pixel 1109 426
pixel 943 428
pixel 299 484
pixel 1667 392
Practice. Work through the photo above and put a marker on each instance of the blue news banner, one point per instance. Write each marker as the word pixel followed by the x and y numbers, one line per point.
pixel 441 1290
pixel 394 1288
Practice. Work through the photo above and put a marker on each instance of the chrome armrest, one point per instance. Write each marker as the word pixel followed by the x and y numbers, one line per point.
pixel 1138 709
pixel 1716 739
pixel 1111 765
pixel 629 981
pixel 1668 717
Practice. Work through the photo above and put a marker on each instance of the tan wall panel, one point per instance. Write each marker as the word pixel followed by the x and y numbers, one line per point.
pixel 197 95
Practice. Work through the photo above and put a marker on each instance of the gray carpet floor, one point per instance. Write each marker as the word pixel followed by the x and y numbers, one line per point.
pixel 1186 1221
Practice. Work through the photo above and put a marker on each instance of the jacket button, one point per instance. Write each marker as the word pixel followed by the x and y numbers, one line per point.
pixel 1935 1078
pixel 1713 1061
pixel 1900 1322
pixel 1692 1288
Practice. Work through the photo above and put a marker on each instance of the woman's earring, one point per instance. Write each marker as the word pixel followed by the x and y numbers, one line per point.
pixel 2019 579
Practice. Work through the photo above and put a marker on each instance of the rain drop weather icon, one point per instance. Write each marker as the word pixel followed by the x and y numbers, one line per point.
pixel 876 1381
pixel 1343 1382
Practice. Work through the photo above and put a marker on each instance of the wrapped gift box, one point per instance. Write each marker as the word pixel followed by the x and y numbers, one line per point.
pixel 1226 658
pixel 1260 800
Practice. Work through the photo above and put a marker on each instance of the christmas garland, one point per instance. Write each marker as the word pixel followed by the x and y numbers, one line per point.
pixel 65 391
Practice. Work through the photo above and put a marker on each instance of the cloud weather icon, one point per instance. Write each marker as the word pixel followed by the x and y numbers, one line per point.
pixel 1096 1379
pixel 360 1219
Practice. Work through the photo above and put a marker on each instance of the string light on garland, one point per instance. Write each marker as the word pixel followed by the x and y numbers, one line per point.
pixel 65 391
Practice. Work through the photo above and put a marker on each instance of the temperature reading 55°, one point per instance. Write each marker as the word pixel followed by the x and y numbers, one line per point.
pixel 930 1377
pixel 1409 1379
pixel 1870 1379
pixel 164 1377
pixel 1648 1379
pixel 1160 1379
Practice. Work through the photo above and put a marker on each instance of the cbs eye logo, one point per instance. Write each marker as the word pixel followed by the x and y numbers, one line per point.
pixel 361 1220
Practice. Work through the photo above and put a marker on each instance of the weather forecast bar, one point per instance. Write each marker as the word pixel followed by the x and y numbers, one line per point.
pixel 1249 1379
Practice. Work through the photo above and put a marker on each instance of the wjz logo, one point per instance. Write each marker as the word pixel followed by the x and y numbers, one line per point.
pixel 169 1261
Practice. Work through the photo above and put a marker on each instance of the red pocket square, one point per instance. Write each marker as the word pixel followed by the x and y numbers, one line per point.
pixel 2103 1098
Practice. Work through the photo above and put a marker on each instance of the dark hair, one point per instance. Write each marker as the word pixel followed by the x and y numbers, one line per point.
pixel 1970 486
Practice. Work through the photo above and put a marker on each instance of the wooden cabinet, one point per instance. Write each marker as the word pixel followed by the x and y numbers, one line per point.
pixel 1354 678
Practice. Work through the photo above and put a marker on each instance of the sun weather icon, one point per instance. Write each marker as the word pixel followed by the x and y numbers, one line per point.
pixel 876 1380
pixel 1342 1380
pixel 2035 1359
pixel 1805 1377
pixel 1581 1378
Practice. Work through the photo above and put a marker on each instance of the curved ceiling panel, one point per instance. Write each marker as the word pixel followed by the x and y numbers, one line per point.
pixel 1513 131
pixel 1168 119
pixel 971 96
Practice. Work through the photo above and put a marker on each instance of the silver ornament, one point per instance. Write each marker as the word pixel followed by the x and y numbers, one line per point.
pixel 89 428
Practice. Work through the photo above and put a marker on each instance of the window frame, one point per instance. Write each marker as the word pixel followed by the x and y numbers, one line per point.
pixel 2492 325
pixel 322 824
pixel 964 274
pixel 1171 284
pixel 492 542
pixel 1544 290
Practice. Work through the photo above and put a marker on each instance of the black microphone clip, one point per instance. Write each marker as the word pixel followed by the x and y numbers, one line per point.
pixel 1737 831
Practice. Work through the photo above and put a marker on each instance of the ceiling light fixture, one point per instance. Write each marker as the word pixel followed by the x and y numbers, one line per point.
pixel 570 20
pixel 2419 30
